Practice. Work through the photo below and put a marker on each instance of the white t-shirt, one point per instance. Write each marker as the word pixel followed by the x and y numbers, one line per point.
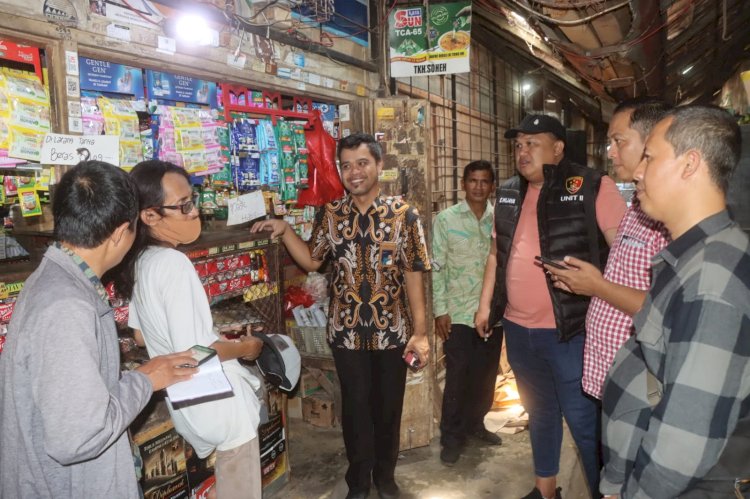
pixel 170 308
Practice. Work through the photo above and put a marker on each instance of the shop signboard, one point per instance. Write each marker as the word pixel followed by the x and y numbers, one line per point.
pixel 105 76
pixel 180 88
pixel 430 41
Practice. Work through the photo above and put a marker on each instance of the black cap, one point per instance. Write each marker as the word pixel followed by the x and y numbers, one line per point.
pixel 538 123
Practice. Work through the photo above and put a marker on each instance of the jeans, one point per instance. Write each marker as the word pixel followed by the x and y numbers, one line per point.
pixel 470 373
pixel 372 397
pixel 548 374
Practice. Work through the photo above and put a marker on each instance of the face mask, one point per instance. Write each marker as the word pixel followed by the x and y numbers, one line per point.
pixel 181 231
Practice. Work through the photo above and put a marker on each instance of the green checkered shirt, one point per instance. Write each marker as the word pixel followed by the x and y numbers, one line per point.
pixel 460 245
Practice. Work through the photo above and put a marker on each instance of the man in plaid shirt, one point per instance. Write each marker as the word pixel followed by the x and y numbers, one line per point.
pixel 676 403
pixel 619 293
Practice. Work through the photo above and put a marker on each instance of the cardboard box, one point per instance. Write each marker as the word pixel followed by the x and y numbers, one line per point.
pixel 318 410
pixel 309 384
pixel 293 407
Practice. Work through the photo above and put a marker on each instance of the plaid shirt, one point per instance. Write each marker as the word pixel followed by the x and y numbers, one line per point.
pixel 692 335
pixel 638 239
pixel 371 251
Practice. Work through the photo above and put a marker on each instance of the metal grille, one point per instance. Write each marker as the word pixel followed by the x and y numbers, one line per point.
pixel 318 10
pixel 469 115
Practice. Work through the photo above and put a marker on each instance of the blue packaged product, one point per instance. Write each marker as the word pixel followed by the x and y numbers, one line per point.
pixel 247 173
pixel 268 136
pixel 270 169
pixel 249 141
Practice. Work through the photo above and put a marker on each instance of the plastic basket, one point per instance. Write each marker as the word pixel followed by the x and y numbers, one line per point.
pixel 311 340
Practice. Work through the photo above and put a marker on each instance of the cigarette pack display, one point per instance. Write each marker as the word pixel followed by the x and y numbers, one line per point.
pixel 200 472
pixel 164 466
pixel 274 466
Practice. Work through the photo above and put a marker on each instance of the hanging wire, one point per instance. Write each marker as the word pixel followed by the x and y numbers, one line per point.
pixel 575 22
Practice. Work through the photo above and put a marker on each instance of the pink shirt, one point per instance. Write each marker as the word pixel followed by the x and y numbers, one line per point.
pixel 529 302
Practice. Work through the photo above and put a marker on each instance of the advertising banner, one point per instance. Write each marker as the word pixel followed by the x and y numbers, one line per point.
pixel 105 76
pixel 430 41
pixel 180 88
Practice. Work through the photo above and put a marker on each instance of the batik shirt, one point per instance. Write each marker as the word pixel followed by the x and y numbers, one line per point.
pixel 370 253
pixel 692 335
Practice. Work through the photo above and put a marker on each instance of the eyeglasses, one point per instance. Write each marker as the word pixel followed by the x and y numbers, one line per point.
pixel 185 208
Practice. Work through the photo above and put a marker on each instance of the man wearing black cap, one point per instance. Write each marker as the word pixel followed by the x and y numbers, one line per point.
pixel 552 209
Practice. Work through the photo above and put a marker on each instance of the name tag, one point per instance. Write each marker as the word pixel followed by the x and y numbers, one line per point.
pixel 633 242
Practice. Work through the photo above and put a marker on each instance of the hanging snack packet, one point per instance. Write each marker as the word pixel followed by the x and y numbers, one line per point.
pixel 25 144
pixel 302 171
pixel 248 172
pixel 248 137
pixel 28 198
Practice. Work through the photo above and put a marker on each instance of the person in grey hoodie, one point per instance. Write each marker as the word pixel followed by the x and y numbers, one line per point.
pixel 64 404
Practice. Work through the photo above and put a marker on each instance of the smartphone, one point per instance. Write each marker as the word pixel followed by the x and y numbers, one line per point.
pixel 412 361
pixel 551 263
pixel 201 354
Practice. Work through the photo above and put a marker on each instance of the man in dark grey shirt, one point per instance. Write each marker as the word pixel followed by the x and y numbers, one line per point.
pixel 676 404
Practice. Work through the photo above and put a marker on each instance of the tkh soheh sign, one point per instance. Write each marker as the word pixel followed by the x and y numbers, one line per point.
pixel 430 41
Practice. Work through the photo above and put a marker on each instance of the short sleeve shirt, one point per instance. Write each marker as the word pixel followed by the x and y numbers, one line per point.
pixel 529 302
pixel 370 253
pixel 638 239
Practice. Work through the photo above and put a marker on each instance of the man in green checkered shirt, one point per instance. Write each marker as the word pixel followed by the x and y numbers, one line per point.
pixel 462 235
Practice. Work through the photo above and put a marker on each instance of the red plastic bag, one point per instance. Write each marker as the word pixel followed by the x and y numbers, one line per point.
pixel 294 297
pixel 325 184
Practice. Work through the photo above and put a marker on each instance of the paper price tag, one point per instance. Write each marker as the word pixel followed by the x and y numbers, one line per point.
pixel 246 207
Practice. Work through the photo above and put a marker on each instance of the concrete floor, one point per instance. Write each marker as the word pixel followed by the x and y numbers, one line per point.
pixel 318 464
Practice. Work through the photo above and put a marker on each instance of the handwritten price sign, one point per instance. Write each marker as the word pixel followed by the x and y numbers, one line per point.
pixel 246 207
pixel 60 149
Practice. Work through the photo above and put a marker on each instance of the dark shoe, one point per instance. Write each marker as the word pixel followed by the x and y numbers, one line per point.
pixel 449 455
pixel 362 494
pixel 388 490
pixel 535 494
pixel 487 436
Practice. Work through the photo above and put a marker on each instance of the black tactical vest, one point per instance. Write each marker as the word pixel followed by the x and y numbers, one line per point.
pixel 566 215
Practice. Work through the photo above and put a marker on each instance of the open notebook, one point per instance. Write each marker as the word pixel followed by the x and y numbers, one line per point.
pixel 210 383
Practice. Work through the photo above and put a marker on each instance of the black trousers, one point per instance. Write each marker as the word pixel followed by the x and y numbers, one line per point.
pixel 372 396
pixel 471 370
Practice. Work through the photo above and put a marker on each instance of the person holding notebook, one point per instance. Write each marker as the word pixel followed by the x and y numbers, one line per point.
pixel 169 307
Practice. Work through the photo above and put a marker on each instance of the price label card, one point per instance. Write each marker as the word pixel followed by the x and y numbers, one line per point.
pixel 59 149
pixel 246 207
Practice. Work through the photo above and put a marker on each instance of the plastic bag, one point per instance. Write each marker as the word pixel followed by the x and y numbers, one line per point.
pixel 325 184
pixel 294 297
pixel 316 286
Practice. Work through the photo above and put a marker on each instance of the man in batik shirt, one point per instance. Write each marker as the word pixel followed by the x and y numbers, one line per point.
pixel 378 250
